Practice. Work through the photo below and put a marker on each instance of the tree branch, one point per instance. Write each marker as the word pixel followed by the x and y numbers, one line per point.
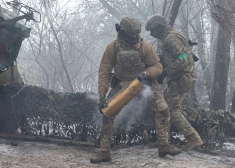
pixel 174 11
pixel 110 9
pixel 60 48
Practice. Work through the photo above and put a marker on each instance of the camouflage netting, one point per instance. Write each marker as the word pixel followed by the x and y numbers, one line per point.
pixel 43 112
pixel 215 127
pixel 32 110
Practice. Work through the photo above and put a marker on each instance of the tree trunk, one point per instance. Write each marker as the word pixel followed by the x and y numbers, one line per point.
pixel 222 60
pixel 233 104
pixel 164 8
pixel 233 75
pixel 174 11
pixel 213 42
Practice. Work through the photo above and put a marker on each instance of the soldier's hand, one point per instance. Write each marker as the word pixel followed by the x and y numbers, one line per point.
pixel 102 103
pixel 142 76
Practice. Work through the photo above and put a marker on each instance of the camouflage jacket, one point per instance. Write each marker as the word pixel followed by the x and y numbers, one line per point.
pixel 173 45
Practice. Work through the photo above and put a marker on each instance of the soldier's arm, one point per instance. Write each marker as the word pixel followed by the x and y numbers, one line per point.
pixel 152 61
pixel 176 46
pixel 105 69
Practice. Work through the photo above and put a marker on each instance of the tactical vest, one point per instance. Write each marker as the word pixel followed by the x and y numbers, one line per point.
pixel 128 62
pixel 169 58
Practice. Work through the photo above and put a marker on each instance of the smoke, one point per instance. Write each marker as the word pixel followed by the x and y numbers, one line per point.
pixel 130 113
pixel 97 118
pixel 92 96
pixel 134 110
pixel 147 92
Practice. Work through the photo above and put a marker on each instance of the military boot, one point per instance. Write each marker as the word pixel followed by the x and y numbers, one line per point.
pixel 193 141
pixel 164 150
pixel 102 156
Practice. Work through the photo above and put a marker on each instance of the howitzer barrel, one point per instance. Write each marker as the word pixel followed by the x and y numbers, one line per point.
pixel 118 101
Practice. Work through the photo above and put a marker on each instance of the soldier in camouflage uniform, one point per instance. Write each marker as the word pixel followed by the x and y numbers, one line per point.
pixel 178 64
pixel 131 57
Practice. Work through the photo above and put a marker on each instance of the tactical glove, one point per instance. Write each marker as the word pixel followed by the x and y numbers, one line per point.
pixel 142 76
pixel 102 103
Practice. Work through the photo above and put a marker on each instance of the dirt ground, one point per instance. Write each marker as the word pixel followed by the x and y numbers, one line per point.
pixel 21 154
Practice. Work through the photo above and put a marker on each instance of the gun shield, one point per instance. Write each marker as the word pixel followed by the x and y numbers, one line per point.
pixel 118 101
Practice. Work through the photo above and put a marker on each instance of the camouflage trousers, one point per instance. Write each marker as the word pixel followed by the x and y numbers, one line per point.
pixel 174 97
pixel 157 103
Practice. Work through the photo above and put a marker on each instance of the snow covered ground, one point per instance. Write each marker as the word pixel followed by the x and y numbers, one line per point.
pixel 21 154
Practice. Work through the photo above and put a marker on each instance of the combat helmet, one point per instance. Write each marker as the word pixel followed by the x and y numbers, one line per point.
pixel 129 29
pixel 155 21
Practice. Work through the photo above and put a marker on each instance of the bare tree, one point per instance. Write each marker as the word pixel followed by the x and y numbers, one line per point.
pixel 221 12
pixel 46 7
pixel 232 75
pixel 174 11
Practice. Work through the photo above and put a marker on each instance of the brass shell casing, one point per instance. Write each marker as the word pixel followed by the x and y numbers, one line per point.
pixel 118 101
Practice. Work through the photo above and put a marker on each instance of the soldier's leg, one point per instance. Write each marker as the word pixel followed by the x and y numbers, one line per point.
pixel 106 134
pixel 174 100
pixel 105 143
pixel 162 118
